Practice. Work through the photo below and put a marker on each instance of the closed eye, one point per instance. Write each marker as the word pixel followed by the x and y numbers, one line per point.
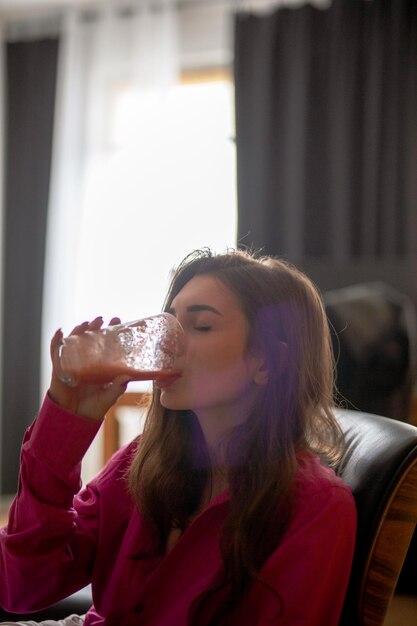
pixel 202 329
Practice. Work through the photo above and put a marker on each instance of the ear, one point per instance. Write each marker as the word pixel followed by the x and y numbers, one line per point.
pixel 262 373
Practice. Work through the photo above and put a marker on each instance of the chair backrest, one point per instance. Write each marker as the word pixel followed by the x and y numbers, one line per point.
pixel 380 466
pixel 373 330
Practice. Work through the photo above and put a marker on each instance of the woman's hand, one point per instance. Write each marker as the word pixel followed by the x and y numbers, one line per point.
pixel 86 400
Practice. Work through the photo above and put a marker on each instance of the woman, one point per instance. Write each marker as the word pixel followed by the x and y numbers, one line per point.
pixel 225 510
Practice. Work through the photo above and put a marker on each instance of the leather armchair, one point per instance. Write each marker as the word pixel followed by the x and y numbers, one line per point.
pixel 380 466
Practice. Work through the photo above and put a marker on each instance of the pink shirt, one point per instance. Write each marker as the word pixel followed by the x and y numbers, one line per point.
pixel 56 543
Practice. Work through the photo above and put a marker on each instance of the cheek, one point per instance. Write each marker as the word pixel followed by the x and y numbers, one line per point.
pixel 224 374
pixel 217 356
pixel 214 382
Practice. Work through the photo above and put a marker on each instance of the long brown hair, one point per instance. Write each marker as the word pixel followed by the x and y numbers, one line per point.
pixel 288 326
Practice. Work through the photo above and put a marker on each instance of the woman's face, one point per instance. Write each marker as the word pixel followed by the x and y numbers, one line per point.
pixel 220 377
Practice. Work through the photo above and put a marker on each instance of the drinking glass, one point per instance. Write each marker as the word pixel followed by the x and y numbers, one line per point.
pixel 152 348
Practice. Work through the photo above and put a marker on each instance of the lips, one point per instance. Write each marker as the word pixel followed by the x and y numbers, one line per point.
pixel 166 381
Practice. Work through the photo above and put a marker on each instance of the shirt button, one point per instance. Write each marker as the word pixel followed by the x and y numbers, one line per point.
pixel 139 608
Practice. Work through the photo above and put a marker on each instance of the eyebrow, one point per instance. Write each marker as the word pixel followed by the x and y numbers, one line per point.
pixel 193 308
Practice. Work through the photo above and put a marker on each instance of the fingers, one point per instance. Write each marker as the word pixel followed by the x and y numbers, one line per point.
pixel 81 328
pixel 115 389
pixel 96 324
pixel 122 381
pixel 55 341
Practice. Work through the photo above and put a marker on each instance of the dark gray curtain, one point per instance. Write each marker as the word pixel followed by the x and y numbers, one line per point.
pixel 326 132
pixel 31 76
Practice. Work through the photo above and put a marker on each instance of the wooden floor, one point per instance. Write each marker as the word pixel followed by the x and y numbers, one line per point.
pixel 402 611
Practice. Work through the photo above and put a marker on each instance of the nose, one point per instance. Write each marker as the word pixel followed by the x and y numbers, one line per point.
pixel 181 341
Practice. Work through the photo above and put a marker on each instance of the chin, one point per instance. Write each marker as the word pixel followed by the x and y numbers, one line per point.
pixel 169 401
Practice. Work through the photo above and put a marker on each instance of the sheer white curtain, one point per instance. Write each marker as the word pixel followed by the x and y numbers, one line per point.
pixel 135 178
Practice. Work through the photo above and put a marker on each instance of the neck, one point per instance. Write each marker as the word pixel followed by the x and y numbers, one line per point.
pixel 215 429
pixel 217 422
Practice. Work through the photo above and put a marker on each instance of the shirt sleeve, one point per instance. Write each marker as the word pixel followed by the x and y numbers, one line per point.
pixel 47 549
pixel 306 577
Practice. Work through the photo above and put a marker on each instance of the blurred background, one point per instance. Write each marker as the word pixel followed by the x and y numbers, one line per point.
pixel 135 131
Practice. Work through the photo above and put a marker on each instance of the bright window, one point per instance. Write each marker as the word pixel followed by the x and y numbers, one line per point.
pixel 162 184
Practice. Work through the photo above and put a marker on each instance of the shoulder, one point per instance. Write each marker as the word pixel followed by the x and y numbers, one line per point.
pixel 317 489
